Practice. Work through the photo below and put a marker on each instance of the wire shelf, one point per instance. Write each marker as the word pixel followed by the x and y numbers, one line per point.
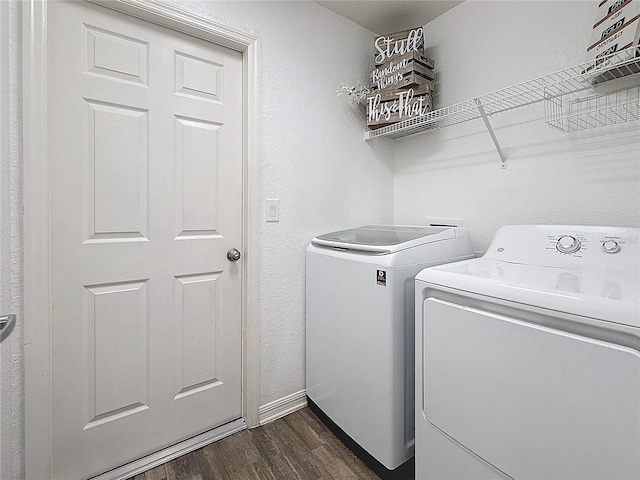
pixel 570 80
pixel 610 108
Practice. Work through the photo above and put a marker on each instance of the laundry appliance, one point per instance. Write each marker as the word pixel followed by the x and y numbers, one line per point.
pixel 360 332
pixel 527 359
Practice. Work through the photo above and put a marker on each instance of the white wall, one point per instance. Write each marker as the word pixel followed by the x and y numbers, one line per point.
pixel 587 177
pixel 11 372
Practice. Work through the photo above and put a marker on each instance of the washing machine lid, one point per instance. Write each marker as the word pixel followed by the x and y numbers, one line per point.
pixel 609 295
pixel 384 239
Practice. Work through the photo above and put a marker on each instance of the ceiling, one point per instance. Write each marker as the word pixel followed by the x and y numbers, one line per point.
pixel 389 16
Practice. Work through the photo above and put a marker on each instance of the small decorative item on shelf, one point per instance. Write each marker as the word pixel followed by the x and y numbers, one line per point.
pixel 402 80
pixel 616 28
pixel 357 93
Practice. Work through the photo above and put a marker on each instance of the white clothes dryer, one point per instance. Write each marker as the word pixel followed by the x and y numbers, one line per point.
pixel 528 359
pixel 360 332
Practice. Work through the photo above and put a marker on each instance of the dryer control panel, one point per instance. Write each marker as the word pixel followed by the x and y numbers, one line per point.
pixel 568 246
pixel 573 243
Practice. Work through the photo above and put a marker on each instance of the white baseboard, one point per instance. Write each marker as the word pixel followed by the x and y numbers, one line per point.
pixel 283 406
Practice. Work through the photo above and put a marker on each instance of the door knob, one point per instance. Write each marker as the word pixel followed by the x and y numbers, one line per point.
pixel 233 255
pixel 7 322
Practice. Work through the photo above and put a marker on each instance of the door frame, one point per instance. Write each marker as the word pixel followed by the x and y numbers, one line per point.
pixel 37 212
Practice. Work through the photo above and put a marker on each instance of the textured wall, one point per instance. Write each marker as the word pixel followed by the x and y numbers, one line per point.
pixel 313 159
pixel 587 177
pixel 11 373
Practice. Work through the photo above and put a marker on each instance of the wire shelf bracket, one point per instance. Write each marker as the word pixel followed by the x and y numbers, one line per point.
pixel 487 124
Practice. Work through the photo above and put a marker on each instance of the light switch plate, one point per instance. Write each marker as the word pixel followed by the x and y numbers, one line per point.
pixel 272 207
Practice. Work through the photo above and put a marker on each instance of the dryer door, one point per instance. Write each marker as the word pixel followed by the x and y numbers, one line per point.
pixel 534 402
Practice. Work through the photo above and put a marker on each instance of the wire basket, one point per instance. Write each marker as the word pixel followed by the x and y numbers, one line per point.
pixel 618 106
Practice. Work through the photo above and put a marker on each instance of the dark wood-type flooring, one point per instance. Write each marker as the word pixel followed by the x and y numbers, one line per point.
pixel 297 446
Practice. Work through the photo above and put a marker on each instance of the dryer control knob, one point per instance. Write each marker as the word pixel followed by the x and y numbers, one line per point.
pixel 611 246
pixel 568 244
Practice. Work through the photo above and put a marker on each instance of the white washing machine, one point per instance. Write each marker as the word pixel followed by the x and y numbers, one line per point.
pixel 527 359
pixel 360 332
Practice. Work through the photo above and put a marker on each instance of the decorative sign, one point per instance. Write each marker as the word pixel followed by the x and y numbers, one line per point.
pixel 407 105
pixel 398 44
pixel 402 80
pixel 390 75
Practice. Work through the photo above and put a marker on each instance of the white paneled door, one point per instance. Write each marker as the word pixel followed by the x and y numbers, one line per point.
pixel 146 152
